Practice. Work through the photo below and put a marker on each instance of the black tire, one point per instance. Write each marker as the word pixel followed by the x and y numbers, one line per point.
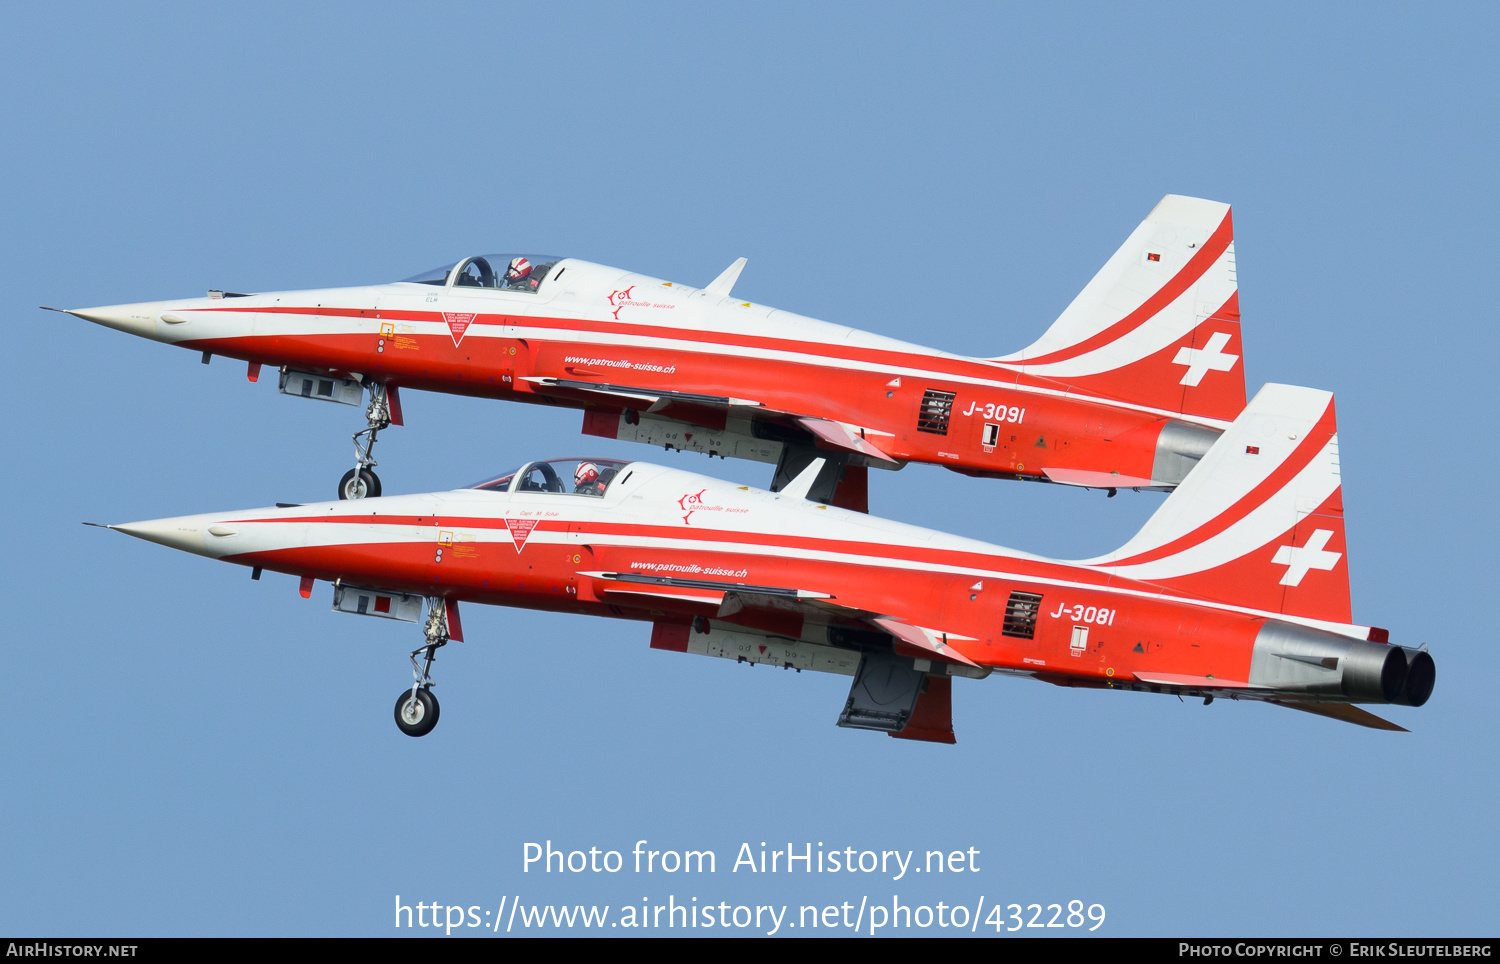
pixel 368 486
pixel 423 713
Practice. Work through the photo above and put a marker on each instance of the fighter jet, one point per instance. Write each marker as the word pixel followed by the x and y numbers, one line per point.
pixel 1238 586
pixel 1129 387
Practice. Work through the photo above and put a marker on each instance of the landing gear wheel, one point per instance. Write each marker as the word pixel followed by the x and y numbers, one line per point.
pixel 416 713
pixel 366 486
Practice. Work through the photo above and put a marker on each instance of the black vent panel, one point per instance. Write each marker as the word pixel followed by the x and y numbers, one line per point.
pixel 937 408
pixel 1020 615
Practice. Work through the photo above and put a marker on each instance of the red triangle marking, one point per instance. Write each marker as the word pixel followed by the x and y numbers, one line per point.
pixel 520 531
pixel 763 649
pixel 458 323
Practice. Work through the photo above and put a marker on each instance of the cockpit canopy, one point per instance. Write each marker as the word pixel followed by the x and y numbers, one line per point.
pixel 589 477
pixel 499 272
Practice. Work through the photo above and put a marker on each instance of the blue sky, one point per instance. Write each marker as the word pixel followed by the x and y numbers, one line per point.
pixel 189 752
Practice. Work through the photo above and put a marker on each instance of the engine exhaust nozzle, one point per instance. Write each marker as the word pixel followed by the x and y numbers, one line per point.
pixel 1421 674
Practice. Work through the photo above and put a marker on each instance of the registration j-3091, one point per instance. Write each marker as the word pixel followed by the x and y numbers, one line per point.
pixel 997 413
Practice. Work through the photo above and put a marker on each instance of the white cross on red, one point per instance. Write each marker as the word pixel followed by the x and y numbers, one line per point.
pixel 1310 556
pixel 1200 361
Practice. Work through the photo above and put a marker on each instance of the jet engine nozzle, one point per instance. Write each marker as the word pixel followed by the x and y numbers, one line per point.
pixel 1310 662
pixel 1373 672
pixel 1180 447
pixel 1421 674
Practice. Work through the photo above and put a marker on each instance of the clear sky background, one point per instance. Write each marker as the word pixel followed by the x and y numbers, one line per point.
pixel 190 752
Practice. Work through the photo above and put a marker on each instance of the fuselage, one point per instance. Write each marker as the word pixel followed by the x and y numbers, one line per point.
pixel 604 340
pixel 666 546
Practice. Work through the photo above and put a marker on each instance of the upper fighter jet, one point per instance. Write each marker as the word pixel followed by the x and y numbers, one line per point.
pixel 1237 587
pixel 1128 388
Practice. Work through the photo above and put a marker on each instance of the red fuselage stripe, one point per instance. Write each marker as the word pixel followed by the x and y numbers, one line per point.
pixel 883 552
pixel 932 364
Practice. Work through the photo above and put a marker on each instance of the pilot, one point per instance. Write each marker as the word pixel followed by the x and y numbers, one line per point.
pixel 588 480
pixel 518 276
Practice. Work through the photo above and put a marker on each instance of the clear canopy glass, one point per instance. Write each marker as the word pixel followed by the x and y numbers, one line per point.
pixel 499 272
pixel 589 477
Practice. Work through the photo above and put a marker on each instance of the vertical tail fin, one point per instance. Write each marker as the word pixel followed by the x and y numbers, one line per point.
pixel 1159 325
pixel 1260 521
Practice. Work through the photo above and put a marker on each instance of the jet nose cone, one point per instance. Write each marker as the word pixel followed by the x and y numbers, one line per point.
pixel 183 532
pixel 137 319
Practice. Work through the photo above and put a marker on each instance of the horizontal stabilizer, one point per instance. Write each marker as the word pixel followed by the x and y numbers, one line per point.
pixel 1191 682
pixel 1100 480
pixel 1347 712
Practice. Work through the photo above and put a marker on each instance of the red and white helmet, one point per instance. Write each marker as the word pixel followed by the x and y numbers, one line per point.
pixel 519 268
pixel 585 473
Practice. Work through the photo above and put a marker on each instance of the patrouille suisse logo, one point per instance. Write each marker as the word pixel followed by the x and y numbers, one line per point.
pixel 691 503
pixel 619 299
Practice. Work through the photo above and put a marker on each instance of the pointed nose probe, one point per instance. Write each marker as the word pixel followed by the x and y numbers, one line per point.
pixel 181 532
pixel 138 319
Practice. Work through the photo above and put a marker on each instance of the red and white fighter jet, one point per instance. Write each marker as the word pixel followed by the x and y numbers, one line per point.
pixel 1237 586
pixel 1128 388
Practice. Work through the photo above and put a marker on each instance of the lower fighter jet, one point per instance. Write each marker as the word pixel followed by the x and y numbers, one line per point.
pixel 1126 389
pixel 1237 587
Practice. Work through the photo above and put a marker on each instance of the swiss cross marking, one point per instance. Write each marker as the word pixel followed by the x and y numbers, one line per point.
pixel 1201 361
pixel 1311 556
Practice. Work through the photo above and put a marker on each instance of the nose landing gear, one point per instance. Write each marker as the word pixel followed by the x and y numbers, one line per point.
pixel 416 712
pixel 361 482
pixel 417 709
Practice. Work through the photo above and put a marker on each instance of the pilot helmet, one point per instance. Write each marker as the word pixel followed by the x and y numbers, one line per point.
pixel 585 473
pixel 519 268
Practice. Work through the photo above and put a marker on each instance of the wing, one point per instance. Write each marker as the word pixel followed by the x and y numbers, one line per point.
pixel 710 411
pixel 774 608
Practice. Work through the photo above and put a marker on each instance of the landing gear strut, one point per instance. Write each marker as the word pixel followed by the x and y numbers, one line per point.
pixel 417 709
pixel 361 482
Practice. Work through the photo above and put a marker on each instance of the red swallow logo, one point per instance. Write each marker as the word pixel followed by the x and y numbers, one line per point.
pixel 689 504
pixel 618 299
